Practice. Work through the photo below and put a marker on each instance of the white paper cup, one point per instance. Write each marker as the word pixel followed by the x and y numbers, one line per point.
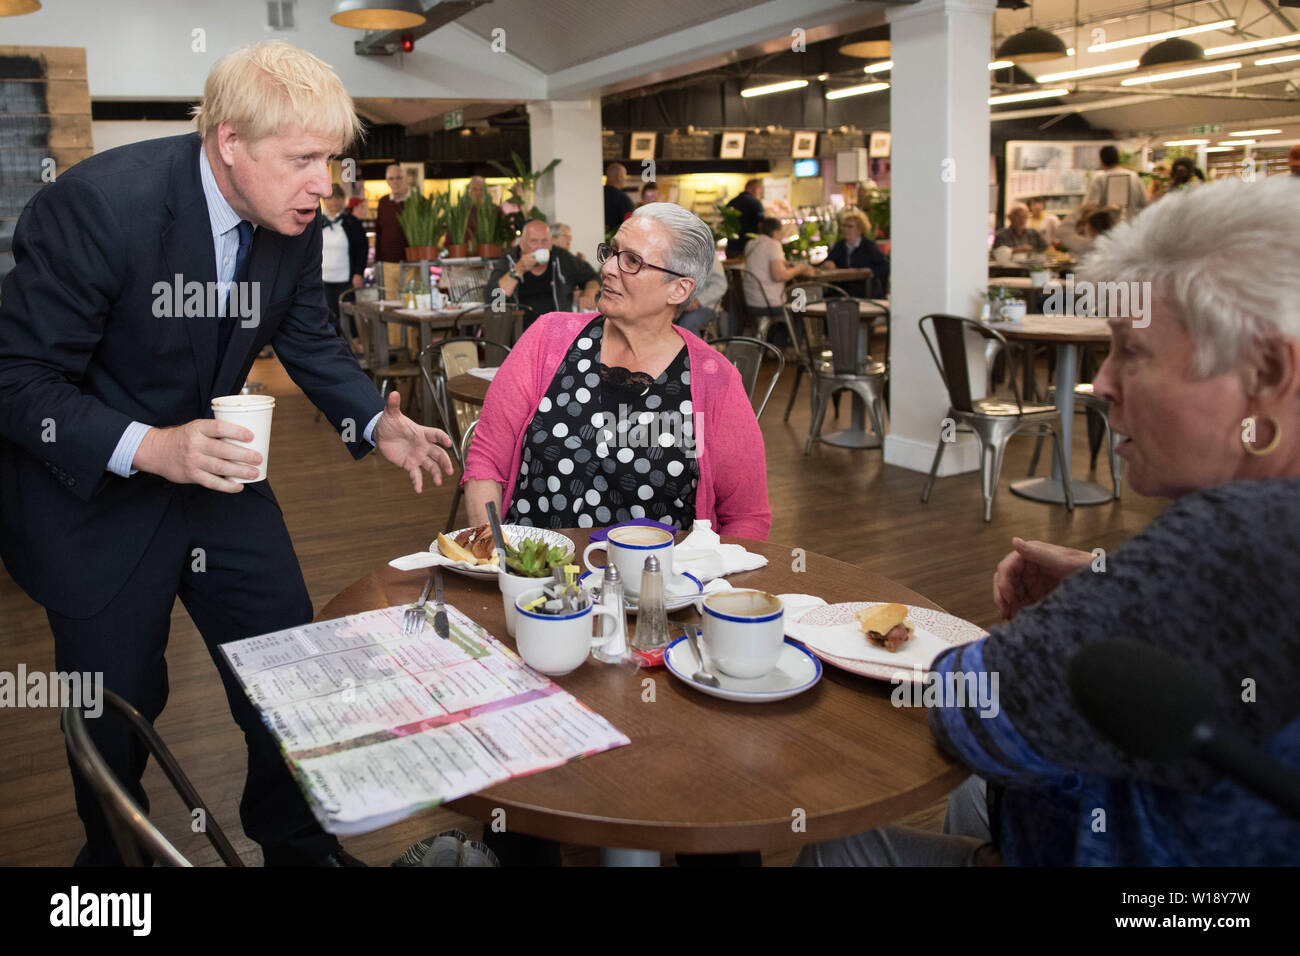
pixel 743 631
pixel 556 644
pixel 254 413
pixel 628 546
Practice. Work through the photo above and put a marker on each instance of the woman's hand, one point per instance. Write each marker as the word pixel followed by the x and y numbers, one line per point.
pixel 1030 572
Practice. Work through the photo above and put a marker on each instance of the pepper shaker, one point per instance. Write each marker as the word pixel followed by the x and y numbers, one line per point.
pixel 614 650
pixel 651 615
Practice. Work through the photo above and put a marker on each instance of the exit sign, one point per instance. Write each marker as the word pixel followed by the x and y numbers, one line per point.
pixel 453 120
pixel 1208 128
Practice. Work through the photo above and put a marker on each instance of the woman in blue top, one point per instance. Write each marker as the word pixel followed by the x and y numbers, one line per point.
pixel 856 251
pixel 1206 387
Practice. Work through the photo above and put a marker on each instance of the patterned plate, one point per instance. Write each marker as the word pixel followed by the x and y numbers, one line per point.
pixel 514 533
pixel 832 633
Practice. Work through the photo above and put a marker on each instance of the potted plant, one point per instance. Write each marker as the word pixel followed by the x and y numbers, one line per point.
pixel 488 229
pixel 419 220
pixel 877 210
pixel 800 244
pixel 525 184
pixel 1003 304
pixel 458 213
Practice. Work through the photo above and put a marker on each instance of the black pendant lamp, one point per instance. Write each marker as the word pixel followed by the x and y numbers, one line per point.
pixel 1176 51
pixel 1032 46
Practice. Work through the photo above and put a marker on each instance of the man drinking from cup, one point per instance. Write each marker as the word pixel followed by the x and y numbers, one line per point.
pixel 146 281
pixel 541 277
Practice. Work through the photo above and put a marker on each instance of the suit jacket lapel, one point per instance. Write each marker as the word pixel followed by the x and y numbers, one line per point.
pixel 190 256
pixel 263 263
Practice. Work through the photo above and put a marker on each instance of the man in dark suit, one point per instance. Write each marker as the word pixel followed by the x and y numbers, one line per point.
pixel 750 205
pixel 147 279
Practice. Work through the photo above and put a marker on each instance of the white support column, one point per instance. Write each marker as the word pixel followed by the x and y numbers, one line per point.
pixel 939 197
pixel 572 192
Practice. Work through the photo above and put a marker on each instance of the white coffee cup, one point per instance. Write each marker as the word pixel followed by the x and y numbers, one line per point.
pixel 1002 255
pixel 541 256
pixel 556 644
pixel 1013 310
pixel 513 585
pixel 254 413
pixel 743 631
pixel 628 546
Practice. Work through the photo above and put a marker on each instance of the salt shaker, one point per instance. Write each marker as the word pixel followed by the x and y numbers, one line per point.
pixel 651 615
pixel 614 649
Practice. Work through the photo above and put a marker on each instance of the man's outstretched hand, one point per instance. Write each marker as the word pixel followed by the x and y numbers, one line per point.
pixel 410 446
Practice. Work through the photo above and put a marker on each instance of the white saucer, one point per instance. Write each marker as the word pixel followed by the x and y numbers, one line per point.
pixel 796 670
pixel 680 590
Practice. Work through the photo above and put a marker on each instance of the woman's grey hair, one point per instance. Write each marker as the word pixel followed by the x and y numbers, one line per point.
pixel 1222 259
pixel 557 228
pixel 691 251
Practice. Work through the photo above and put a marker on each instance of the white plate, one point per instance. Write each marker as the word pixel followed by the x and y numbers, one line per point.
pixel 680 590
pixel 514 533
pixel 796 670
pixel 833 634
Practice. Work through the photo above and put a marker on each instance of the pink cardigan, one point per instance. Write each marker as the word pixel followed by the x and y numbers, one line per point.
pixel 732 490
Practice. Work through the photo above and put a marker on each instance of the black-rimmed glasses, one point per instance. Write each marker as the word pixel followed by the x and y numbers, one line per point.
pixel 629 262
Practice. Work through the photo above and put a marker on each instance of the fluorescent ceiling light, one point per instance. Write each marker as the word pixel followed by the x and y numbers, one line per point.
pixel 1164 35
pixel 1001 64
pixel 1218 149
pixel 1265 61
pixel 823 77
pixel 1179 74
pixel 1254 132
pixel 1236 142
pixel 1089 71
pixel 1031 95
pixel 1186 142
pixel 774 88
pixel 856 90
pixel 1252 44
pixel 880 67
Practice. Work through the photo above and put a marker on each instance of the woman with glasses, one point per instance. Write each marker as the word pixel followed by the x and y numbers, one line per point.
pixel 600 418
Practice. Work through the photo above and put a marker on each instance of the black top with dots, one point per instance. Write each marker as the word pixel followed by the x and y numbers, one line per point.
pixel 608 445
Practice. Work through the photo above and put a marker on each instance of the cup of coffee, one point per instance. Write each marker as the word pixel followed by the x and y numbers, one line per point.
pixel 513 585
pixel 541 256
pixel 254 413
pixel 743 631
pixel 628 545
pixel 556 644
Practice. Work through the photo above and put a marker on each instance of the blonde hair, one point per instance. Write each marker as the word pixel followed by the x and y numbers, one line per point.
pixel 270 88
pixel 860 217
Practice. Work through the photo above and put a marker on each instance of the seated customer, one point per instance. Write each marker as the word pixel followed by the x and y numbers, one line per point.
pixel 542 281
pixel 1208 395
pixel 767 272
pixel 596 419
pixel 1018 235
pixel 856 251
pixel 704 303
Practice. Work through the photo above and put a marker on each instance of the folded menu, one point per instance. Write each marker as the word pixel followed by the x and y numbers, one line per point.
pixel 377 725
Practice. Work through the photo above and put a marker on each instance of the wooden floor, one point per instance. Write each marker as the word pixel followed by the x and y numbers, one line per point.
pixel 347 518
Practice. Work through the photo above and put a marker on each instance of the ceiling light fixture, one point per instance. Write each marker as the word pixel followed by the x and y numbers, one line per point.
pixel 1031 95
pixel 774 88
pixel 1032 45
pixel 1175 52
pixel 1001 64
pixel 1254 132
pixel 880 67
pixel 1179 74
pixel 1236 142
pixel 16 8
pixel 1089 71
pixel 823 77
pixel 1186 142
pixel 1267 60
pixel 1218 149
pixel 1252 44
pixel 1165 35
pixel 856 90
pixel 378 14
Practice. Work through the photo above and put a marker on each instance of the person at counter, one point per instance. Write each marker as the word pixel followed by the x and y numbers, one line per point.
pixel 390 240
pixel 596 420
pixel 540 277
pixel 343 252
pixel 750 205
pixel 856 251
pixel 1018 235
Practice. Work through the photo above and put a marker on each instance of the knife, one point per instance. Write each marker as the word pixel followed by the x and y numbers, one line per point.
pixel 439 610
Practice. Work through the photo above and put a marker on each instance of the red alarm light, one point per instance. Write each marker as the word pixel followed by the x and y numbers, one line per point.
pixel 408 43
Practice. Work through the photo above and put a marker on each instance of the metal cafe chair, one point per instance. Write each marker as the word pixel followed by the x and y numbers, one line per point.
pixel 992 420
pixel 1098 409
pixel 446 359
pixel 840 372
pixel 463 452
pixel 798 294
pixel 383 375
pixel 132 829
pixel 747 355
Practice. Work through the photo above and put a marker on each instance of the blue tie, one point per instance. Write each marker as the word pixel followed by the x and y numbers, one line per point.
pixel 227 327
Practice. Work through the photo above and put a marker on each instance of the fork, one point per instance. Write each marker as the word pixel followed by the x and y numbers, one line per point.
pixel 413 619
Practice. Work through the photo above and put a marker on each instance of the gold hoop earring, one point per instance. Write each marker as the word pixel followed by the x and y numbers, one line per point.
pixel 1271 446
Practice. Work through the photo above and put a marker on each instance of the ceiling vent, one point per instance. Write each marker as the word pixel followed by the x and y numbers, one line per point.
pixel 282 14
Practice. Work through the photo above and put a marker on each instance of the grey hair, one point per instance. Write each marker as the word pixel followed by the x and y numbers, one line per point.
pixel 690 251
pixel 1221 258
pixel 557 228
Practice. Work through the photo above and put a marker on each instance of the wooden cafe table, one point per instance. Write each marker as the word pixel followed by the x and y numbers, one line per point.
pixel 704 775
pixel 468 388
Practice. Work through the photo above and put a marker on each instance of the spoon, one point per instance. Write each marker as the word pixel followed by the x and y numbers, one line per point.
pixel 701 676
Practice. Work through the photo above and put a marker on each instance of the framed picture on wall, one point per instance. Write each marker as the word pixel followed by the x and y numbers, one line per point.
pixel 414 173
pixel 733 146
pixel 642 146
pixel 880 143
pixel 805 146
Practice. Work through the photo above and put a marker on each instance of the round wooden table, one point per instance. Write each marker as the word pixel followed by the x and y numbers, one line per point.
pixel 704 775
pixel 467 388
pixel 1066 333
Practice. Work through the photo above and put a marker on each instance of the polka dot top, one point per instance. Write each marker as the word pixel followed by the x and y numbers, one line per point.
pixel 607 445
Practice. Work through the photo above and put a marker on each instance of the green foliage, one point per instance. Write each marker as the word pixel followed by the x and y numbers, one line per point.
pixel 729 223
pixel 877 210
pixel 533 558
pixel 458 213
pixel 489 221
pixel 422 219
pixel 801 243
pixel 525 181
